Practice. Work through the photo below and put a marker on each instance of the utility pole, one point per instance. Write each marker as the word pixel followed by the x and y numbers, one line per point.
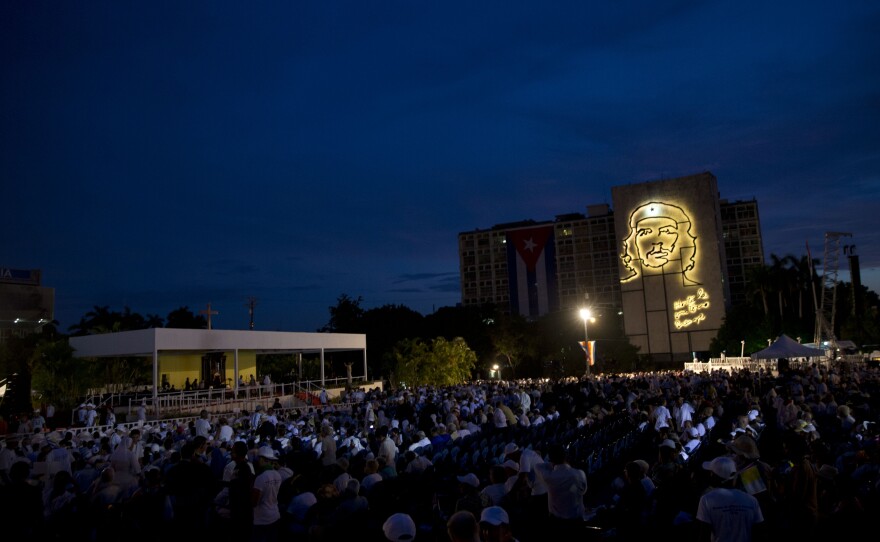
pixel 252 302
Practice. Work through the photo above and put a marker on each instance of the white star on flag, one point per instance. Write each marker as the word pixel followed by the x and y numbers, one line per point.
pixel 530 244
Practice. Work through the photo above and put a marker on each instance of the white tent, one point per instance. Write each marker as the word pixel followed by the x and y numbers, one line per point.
pixel 786 347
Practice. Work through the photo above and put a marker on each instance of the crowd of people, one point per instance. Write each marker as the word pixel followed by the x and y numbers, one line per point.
pixel 731 456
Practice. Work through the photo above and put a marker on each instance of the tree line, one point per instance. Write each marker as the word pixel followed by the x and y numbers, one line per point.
pixel 456 343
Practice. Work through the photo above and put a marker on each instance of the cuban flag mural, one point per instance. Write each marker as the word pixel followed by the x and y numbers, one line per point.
pixel 531 265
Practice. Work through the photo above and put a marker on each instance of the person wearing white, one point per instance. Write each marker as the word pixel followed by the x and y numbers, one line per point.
pixel 203 425
pixel 91 416
pixel 226 432
pixel 566 485
pixel 264 496
pixel 498 417
pixel 423 440
pixel 662 416
pixel 126 466
pixel 682 411
pixel 730 514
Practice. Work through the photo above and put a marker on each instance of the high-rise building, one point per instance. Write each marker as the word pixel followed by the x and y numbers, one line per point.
pixel 533 268
pixel 25 305
pixel 743 245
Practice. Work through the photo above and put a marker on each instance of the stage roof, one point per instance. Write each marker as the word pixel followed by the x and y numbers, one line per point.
pixel 145 342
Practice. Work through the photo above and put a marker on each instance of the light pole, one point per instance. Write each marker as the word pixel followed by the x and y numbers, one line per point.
pixel 497 370
pixel 586 316
pixel 742 349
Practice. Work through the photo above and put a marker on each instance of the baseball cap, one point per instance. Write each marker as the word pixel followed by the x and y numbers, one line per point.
pixel 469 479
pixel 266 452
pixel 510 464
pixel 510 448
pixel 399 527
pixel 667 443
pixel 494 515
pixel 723 467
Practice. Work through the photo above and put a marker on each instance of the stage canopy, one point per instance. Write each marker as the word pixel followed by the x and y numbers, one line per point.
pixel 786 347
pixel 151 342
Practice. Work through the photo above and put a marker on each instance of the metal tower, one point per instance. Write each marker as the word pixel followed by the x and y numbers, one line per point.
pixel 825 311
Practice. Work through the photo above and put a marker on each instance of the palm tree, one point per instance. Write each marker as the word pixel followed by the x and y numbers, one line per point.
pixel 759 281
pixel 97 318
pixel 779 281
pixel 804 277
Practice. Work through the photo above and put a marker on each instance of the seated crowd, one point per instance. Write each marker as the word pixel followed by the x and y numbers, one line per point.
pixel 617 456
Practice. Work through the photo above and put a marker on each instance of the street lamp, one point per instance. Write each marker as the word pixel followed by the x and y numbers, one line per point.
pixel 742 349
pixel 587 316
pixel 497 370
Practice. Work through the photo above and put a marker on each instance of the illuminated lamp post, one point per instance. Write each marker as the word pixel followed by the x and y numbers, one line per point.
pixel 742 349
pixel 497 370
pixel 587 316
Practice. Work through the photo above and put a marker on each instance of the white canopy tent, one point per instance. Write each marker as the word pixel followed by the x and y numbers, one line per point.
pixel 786 347
pixel 150 342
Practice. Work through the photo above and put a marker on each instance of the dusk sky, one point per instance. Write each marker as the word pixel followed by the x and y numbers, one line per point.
pixel 165 154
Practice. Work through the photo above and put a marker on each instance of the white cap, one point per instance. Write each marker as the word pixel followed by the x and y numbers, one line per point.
pixel 722 466
pixel 266 452
pixel 469 479
pixel 494 515
pixel 399 527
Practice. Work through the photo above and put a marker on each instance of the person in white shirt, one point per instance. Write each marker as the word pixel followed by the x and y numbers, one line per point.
pixel 264 496
pixel 525 400
pixel 91 415
pixel 422 440
pixel 226 432
pixel 387 449
pixel 203 425
pixel 566 487
pixel 662 416
pixel 37 422
pixel 682 411
pixel 498 417
pixel 726 510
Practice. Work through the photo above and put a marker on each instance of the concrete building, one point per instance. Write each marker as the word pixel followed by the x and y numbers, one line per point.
pixel 673 272
pixel 743 244
pixel 532 268
pixel 25 305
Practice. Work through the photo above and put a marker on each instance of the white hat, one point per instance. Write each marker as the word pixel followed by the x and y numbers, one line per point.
pixel 667 443
pixel 266 452
pixel 399 527
pixel 510 448
pixel 723 467
pixel 494 515
pixel 510 464
pixel 469 479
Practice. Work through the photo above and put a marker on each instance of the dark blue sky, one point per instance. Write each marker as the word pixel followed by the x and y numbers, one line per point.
pixel 161 154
